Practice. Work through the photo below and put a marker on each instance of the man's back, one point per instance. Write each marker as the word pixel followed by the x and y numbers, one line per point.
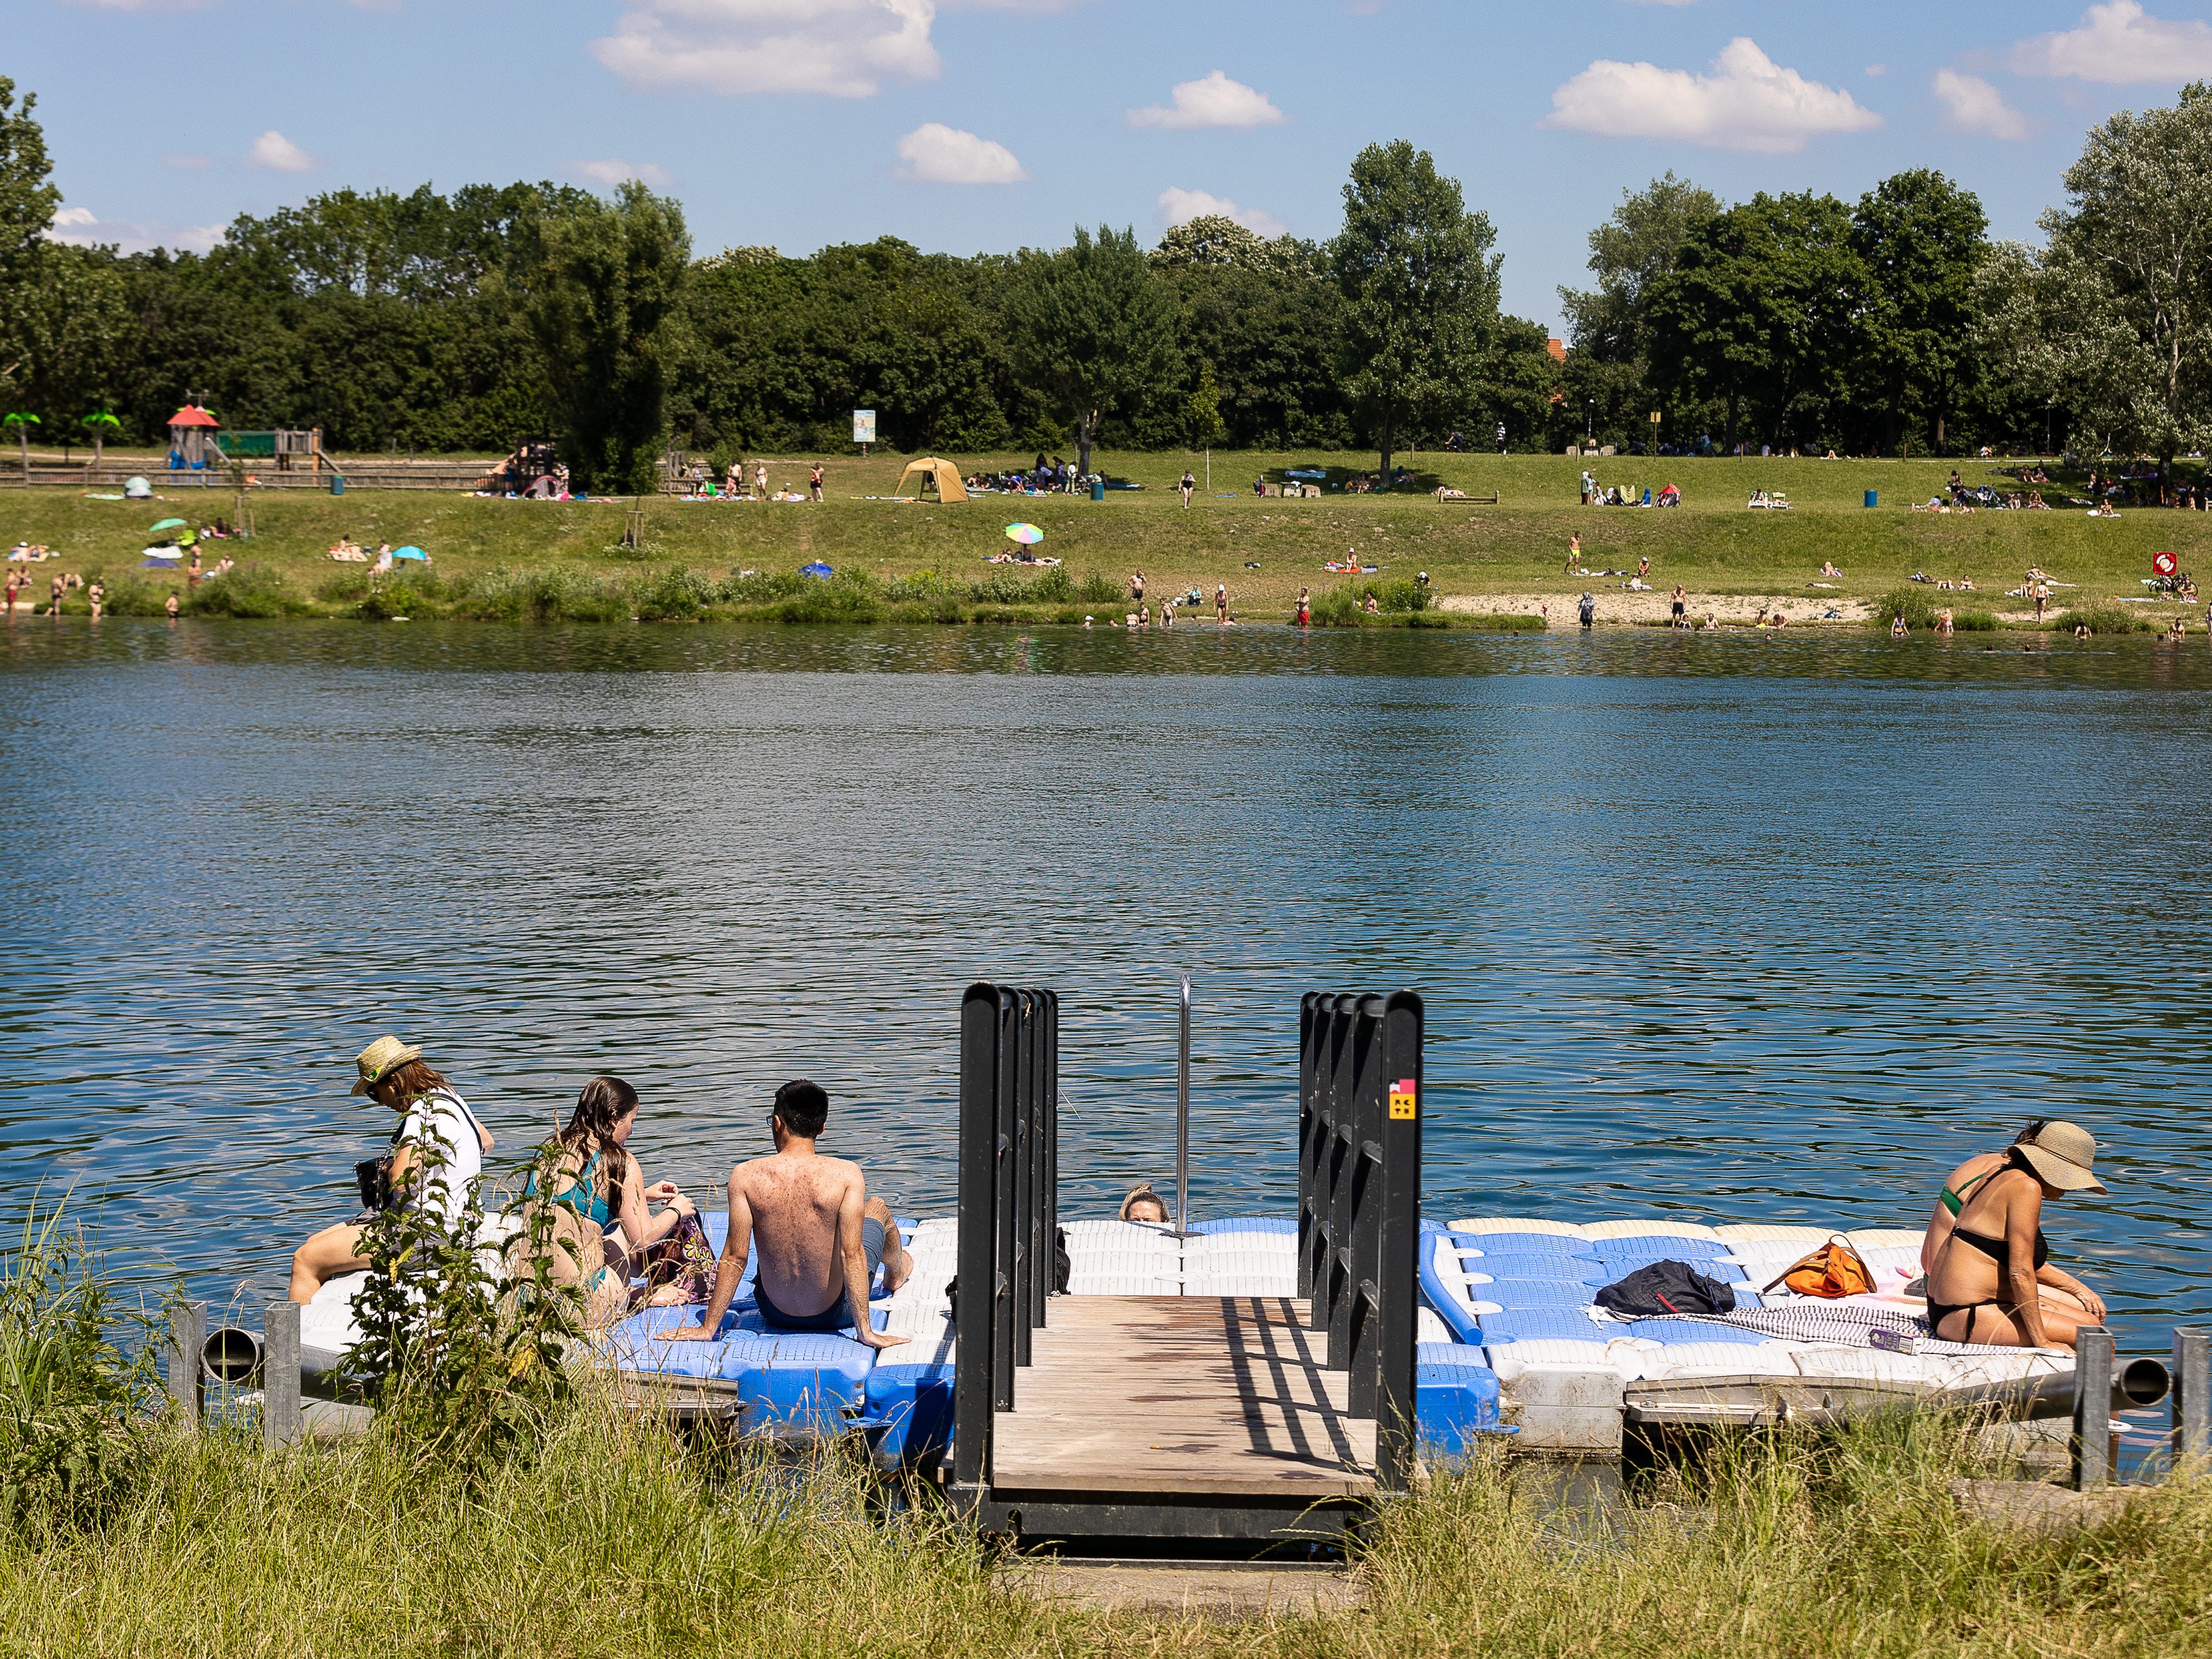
pixel 794 1199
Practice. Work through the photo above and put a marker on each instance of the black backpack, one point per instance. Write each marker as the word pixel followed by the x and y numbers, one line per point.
pixel 1664 1290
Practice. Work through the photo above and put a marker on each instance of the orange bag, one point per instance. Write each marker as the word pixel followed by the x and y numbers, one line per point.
pixel 1834 1270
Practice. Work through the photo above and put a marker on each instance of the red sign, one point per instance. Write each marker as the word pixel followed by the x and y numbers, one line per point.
pixel 2164 563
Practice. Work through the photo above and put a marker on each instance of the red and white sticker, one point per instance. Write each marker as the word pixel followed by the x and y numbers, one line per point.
pixel 1405 1099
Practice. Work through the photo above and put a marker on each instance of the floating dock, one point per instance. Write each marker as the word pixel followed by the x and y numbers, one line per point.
pixel 1259 1380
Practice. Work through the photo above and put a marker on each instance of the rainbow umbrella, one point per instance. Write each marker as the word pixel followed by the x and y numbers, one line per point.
pixel 1027 534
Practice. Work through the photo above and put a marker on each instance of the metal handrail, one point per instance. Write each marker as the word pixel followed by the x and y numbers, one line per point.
pixel 1360 1190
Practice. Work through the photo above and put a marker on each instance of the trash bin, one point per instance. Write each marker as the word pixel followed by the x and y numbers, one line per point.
pixel 1870 498
pixel 1097 487
pixel 338 484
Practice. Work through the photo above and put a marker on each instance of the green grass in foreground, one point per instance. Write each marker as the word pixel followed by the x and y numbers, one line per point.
pixel 521 560
pixel 617 1540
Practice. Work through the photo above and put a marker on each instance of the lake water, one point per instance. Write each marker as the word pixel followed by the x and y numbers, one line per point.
pixel 1735 928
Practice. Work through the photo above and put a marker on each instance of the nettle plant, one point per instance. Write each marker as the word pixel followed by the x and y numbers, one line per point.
pixel 464 1343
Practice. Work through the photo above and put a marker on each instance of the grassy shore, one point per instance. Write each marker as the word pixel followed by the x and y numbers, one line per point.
pixel 616 1540
pixel 522 560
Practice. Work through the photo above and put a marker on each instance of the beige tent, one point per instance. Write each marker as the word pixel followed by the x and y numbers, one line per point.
pixel 942 474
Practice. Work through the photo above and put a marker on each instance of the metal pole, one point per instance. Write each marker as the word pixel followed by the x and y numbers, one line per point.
pixel 1183 1121
pixel 2193 1394
pixel 2093 1409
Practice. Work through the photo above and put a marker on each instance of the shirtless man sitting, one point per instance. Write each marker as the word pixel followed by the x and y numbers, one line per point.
pixel 820 1236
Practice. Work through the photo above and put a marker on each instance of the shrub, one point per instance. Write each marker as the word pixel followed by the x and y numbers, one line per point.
pixel 2104 619
pixel 544 596
pixel 1505 623
pixel 465 1369
pixel 1003 586
pixel 837 601
pixel 672 594
pixel 73 1410
pixel 1098 589
pixel 245 590
pixel 758 587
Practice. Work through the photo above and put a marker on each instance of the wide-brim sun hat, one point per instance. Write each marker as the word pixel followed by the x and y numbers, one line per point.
pixel 2064 1154
pixel 381 1058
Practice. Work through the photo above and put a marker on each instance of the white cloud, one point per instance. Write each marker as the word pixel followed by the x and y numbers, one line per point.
pixel 838 48
pixel 2115 44
pixel 82 228
pixel 939 154
pixel 1748 102
pixel 1973 105
pixel 1213 100
pixel 612 173
pixel 273 150
pixel 1179 206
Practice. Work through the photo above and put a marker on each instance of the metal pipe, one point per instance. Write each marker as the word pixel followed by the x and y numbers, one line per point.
pixel 2136 1383
pixel 231 1356
pixel 1183 1121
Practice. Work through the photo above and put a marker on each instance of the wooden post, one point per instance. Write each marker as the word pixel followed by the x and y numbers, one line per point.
pixel 280 1376
pixel 187 1336
pixel 2093 1409
pixel 2193 1394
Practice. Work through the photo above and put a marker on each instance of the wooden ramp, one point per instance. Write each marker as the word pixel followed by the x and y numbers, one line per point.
pixel 1196 1396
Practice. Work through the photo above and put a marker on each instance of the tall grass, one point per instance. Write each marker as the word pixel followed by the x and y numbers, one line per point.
pixel 1918 606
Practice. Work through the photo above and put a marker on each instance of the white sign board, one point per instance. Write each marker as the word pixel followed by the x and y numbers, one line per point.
pixel 864 426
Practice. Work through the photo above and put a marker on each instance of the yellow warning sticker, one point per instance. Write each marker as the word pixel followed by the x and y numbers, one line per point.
pixel 1404 1098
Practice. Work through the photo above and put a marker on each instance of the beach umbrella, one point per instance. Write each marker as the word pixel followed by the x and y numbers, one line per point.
pixel 410 553
pixel 817 569
pixel 1027 534
pixel 166 523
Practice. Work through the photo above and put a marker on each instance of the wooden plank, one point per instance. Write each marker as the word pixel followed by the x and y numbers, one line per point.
pixel 1187 1395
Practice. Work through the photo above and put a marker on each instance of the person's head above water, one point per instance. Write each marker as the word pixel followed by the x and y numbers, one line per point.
pixel 1143 1204
pixel 2061 1155
pixel 802 1106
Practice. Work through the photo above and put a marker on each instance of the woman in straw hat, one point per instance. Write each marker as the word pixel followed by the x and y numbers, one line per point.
pixel 394 1074
pixel 1990 1277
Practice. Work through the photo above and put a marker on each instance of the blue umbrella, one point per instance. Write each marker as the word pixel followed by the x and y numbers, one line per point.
pixel 817 569
pixel 411 553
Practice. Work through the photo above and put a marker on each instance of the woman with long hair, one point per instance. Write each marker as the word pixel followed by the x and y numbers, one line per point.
pixel 436 1151
pixel 593 1186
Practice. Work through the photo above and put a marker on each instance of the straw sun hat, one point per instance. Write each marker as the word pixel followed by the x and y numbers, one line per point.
pixel 2062 1153
pixel 381 1057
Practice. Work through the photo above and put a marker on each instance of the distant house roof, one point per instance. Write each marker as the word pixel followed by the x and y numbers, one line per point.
pixel 192 415
pixel 1558 348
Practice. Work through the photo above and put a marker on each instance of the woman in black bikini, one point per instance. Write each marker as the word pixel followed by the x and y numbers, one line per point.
pixel 1990 1277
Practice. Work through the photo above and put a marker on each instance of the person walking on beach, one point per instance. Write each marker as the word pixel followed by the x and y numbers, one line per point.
pixel 1137 587
pixel 1677 605
pixel 814 482
pixel 1221 603
pixel 1588 609
pixel 1187 484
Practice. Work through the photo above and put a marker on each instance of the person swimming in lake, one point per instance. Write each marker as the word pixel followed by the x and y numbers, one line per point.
pixel 820 1236
pixel 1989 1273
pixel 1143 1204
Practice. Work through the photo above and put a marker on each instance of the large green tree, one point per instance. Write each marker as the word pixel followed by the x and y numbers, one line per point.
pixel 1092 330
pixel 28 201
pixel 1420 283
pixel 1762 312
pixel 2127 281
pixel 602 283
pixel 1921 240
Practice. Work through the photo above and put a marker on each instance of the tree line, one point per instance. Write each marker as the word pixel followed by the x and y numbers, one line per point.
pixel 494 315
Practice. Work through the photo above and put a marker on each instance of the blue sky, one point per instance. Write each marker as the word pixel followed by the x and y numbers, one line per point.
pixel 986 124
